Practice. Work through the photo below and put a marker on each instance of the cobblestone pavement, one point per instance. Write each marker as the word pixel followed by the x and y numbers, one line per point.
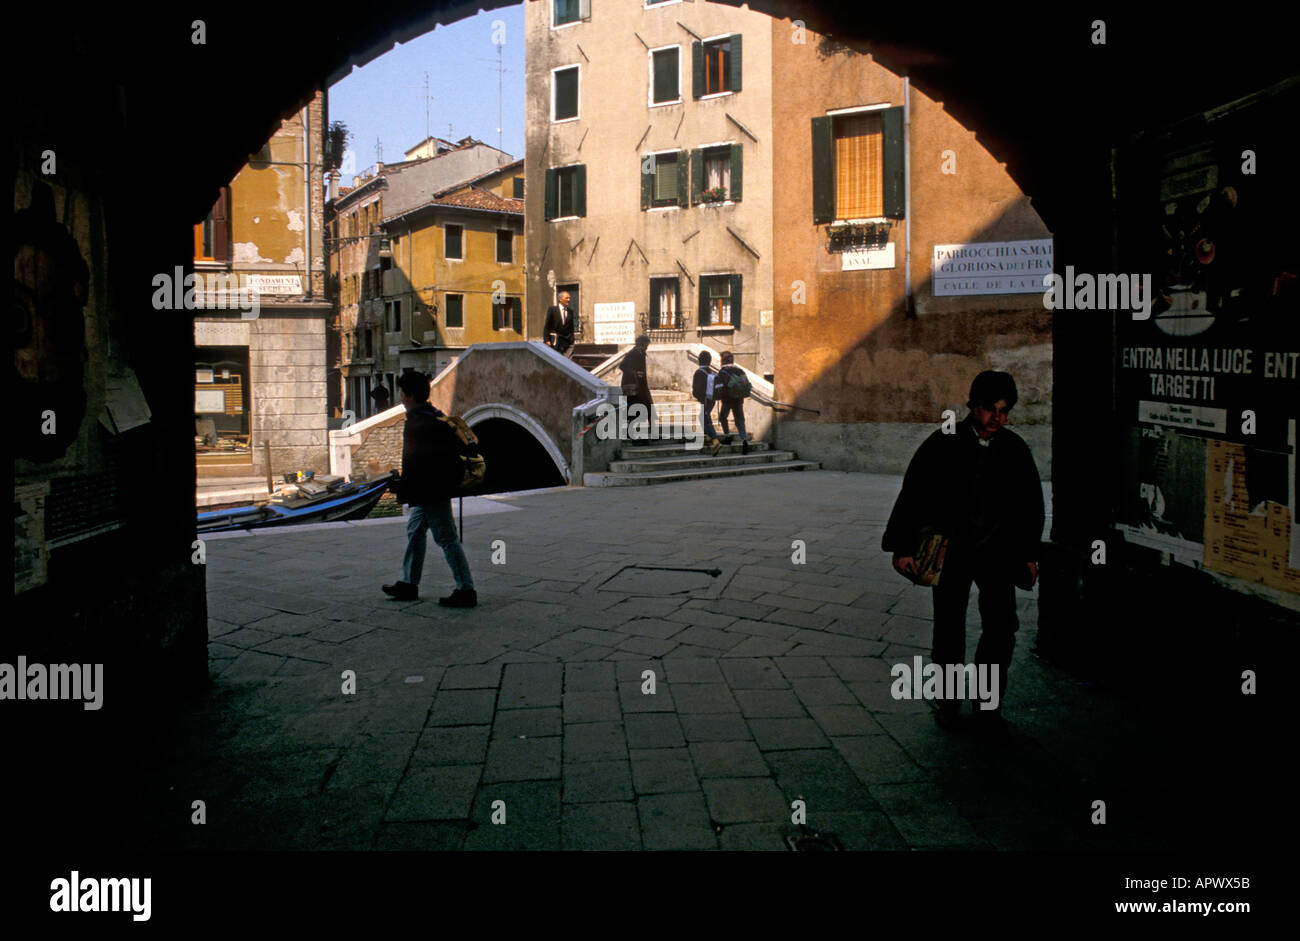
pixel 772 686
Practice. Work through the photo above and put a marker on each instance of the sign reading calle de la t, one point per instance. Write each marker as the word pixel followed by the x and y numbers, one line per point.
pixel 992 267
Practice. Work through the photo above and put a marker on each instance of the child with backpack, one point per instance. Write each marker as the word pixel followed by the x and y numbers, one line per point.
pixel 434 467
pixel 733 387
pixel 702 387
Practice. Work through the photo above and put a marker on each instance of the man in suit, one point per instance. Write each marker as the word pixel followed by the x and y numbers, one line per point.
pixel 558 332
pixel 979 487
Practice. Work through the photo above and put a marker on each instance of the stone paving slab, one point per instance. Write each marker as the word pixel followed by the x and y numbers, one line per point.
pixel 772 686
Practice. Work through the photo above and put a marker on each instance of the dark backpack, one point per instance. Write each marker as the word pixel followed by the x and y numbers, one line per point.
pixel 737 384
pixel 470 468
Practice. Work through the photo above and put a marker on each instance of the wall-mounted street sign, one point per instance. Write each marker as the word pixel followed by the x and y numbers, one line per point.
pixel 868 259
pixel 273 283
pixel 992 267
pixel 615 322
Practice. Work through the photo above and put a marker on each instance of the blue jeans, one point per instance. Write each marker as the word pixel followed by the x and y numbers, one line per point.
pixel 737 409
pixel 438 518
pixel 706 420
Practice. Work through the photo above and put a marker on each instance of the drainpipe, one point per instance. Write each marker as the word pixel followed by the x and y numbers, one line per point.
pixel 306 188
pixel 907 194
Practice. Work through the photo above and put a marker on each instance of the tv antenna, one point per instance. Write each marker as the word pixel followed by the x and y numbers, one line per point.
pixel 427 98
pixel 500 70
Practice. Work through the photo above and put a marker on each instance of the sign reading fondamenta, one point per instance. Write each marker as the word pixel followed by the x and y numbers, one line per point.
pixel 615 322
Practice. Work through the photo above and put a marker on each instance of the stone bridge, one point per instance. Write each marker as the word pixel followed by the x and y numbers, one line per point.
pixel 527 385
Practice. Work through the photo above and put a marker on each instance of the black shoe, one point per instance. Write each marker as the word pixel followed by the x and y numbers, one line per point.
pixel 460 598
pixel 744 447
pixel 402 591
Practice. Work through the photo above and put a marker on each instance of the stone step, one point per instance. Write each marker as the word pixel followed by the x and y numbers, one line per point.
pixel 701 458
pixel 700 473
pixel 677 448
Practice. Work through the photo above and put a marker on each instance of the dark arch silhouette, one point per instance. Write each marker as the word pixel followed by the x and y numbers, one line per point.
pixel 515 459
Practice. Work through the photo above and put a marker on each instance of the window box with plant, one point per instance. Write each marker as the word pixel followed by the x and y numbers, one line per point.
pixel 715 195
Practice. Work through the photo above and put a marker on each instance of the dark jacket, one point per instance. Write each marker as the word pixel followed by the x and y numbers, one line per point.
pixel 635 372
pixel 720 390
pixel 430 458
pixel 564 334
pixel 940 493
pixel 700 385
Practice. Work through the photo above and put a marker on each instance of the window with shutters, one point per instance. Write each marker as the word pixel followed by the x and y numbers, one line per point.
pixel 665 187
pixel 453 242
pixel 508 315
pixel 519 187
pixel 212 235
pixel 566 192
pixel 505 245
pixel 394 316
pixel 665 303
pixel 717 65
pixel 720 300
pixel 665 76
pixel 454 310
pixel 857 167
pixel 564 94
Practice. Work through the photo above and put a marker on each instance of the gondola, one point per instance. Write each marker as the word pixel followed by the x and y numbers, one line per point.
pixel 340 502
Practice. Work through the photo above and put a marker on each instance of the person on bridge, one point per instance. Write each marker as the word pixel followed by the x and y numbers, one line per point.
pixel 636 385
pixel 558 332
pixel 702 388
pixel 430 471
pixel 728 403
pixel 977 485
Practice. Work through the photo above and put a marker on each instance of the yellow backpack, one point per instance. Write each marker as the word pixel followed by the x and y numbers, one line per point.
pixel 473 467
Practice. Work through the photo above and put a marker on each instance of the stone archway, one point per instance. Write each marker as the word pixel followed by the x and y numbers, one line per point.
pixel 481 413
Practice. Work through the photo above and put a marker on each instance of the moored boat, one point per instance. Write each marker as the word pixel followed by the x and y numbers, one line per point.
pixel 334 503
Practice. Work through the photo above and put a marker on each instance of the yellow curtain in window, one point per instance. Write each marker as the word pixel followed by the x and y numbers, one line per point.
pixel 859 183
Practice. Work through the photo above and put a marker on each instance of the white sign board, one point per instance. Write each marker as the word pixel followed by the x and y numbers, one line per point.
pixel 1196 417
pixel 615 322
pixel 273 283
pixel 869 259
pixel 992 267
pixel 207 401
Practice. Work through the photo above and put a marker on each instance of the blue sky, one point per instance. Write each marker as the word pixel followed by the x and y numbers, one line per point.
pixel 385 99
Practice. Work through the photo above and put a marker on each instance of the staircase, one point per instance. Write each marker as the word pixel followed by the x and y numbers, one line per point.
pixel 591 355
pixel 667 458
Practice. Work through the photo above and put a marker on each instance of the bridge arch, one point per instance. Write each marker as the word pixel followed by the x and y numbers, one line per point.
pixel 481 413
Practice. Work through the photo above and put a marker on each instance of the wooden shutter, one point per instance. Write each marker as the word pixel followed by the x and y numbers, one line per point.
pixel 584 9
pixel 517 315
pixel 737 172
pixel 733 65
pixel 221 226
pixel 823 171
pixel 736 281
pixel 697 70
pixel 580 190
pixel 697 176
pixel 704 303
pixel 893 156
pixel 683 178
pixel 551 193
pixel 654 306
pixel 647 182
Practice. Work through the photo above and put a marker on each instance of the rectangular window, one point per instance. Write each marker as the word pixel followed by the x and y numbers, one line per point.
pixel 455 311
pixel 720 300
pixel 665 192
pixel 505 245
pixel 508 315
pixel 566 192
pixel 564 94
pixel 395 316
pixel 665 75
pixel 519 187
pixel 212 235
pixel 453 247
pixel 859 166
pixel 570 11
pixel 665 303
pixel 716 65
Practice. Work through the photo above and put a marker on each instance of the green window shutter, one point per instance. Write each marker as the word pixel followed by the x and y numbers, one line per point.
pixel 733 70
pixel 580 188
pixel 892 124
pixel 551 193
pixel 683 178
pixel 517 314
pixel 697 176
pixel 647 182
pixel 697 57
pixel 737 172
pixel 704 304
pixel 654 306
pixel 823 171
pixel 736 281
